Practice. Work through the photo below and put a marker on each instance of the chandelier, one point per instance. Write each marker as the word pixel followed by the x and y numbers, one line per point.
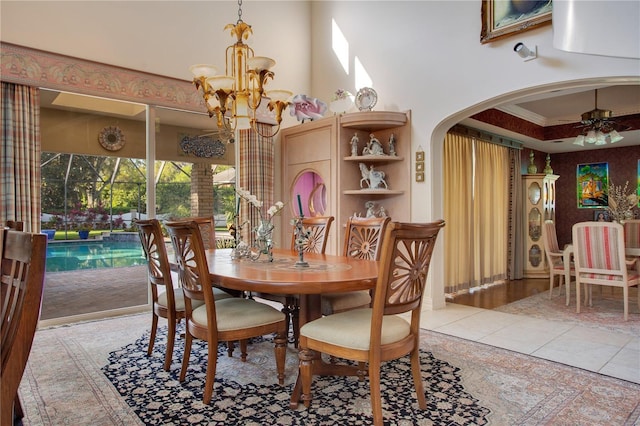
pixel 234 98
pixel 597 127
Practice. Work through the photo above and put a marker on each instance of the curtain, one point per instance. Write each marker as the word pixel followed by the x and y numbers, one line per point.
pixel 256 173
pixel 20 156
pixel 458 211
pixel 491 211
pixel 477 194
pixel 516 238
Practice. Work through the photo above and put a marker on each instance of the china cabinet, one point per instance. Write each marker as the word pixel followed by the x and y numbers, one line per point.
pixel 327 163
pixel 539 205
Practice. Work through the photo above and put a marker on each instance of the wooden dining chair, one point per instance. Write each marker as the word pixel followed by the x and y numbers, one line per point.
pixel 560 263
pixel 15 224
pixel 167 298
pixel 318 228
pixel 229 319
pixel 22 271
pixel 207 227
pixel 362 240
pixel 600 260
pixel 377 334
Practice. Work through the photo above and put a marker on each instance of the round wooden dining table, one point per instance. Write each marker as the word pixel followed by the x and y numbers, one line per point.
pixel 324 274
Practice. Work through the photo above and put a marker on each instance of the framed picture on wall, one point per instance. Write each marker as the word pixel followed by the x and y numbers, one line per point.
pixel 601 216
pixel 638 183
pixel 593 185
pixel 502 18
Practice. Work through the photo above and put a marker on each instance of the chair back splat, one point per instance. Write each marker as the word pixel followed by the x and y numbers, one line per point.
pixel 377 334
pixel 218 320
pixel 22 271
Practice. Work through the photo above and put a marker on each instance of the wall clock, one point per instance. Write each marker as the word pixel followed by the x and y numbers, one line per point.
pixel 111 138
pixel 366 99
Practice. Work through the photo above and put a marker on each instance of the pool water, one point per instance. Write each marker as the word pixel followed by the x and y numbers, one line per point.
pixel 77 255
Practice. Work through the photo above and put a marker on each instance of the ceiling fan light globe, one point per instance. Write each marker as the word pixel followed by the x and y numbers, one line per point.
pixel 601 138
pixel 579 140
pixel 591 136
pixel 614 136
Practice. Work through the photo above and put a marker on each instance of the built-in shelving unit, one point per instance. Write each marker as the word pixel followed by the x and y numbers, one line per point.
pixel 324 147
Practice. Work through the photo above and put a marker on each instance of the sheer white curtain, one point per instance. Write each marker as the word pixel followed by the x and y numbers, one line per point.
pixel 477 193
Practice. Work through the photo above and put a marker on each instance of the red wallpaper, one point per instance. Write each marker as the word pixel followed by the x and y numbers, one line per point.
pixel 623 166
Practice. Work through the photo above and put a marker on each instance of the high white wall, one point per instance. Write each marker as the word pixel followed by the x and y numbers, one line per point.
pixel 426 56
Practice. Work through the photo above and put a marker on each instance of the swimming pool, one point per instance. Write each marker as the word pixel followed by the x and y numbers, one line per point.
pixel 77 255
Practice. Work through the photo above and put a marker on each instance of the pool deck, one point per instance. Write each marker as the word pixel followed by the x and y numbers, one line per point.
pixel 91 290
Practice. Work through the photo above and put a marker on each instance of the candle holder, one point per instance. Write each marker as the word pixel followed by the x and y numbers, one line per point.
pixel 302 236
pixel 240 248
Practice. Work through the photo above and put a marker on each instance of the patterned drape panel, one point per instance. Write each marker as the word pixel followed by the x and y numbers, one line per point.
pixel 477 212
pixel 256 166
pixel 20 156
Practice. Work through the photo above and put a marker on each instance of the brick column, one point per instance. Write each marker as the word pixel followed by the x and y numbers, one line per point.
pixel 201 190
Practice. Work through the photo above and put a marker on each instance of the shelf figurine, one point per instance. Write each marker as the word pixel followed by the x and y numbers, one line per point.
pixel 354 145
pixel 392 145
pixel 374 147
pixel 373 178
pixel 370 211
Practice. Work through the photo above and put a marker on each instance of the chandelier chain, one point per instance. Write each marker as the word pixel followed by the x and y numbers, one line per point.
pixel 239 11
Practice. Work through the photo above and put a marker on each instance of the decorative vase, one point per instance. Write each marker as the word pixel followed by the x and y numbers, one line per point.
pixel 547 168
pixel 532 168
pixel 264 241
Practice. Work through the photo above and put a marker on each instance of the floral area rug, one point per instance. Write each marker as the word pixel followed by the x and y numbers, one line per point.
pixel 248 393
pixel 74 377
pixel 605 313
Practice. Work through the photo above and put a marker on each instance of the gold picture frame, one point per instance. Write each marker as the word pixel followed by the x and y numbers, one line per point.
pixel 420 166
pixel 503 18
pixel 419 176
pixel 419 155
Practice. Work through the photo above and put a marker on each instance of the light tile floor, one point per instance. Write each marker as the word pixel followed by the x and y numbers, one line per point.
pixel 608 353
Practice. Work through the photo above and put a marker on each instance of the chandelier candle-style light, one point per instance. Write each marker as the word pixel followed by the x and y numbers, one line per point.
pixel 233 98
pixel 597 129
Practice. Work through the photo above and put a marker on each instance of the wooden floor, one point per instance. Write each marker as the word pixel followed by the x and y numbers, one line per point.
pixel 503 294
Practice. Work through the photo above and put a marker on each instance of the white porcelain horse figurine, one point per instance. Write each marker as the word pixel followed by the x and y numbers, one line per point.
pixel 373 178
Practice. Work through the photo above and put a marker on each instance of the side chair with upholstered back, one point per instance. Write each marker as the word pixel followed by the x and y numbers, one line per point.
pixel 378 334
pixel 599 255
pixel 363 240
pixel 22 272
pixel 218 320
pixel 559 261
pixel 166 296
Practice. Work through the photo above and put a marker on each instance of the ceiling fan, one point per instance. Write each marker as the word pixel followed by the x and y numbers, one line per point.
pixel 598 126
